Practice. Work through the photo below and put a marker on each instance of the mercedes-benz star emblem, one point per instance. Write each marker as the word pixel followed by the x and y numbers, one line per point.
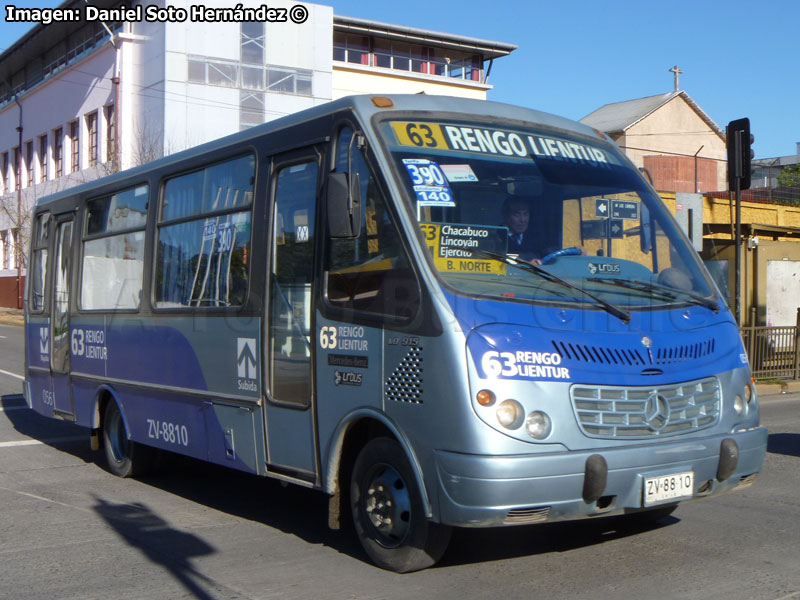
pixel 656 412
pixel 647 342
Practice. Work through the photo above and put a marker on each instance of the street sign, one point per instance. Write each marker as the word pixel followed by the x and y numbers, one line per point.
pixel 593 230
pixel 605 228
pixel 624 209
pixel 601 208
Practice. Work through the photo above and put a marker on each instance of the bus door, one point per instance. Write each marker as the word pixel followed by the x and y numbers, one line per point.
pixel 291 445
pixel 59 321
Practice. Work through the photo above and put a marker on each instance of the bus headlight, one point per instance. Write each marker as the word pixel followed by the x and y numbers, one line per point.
pixel 538 425
pixel 748 393
pixel 510 414
pixel 739 405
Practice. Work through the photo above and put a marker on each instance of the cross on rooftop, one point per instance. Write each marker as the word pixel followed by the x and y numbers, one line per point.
pixel 676 72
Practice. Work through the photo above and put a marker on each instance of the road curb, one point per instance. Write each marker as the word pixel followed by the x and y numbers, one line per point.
pixel 777 388
pixel 12 316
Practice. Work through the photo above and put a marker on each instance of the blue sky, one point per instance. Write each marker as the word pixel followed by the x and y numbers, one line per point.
pixel 739 59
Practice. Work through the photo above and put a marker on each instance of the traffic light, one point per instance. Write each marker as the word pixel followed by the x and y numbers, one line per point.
pixel 740 154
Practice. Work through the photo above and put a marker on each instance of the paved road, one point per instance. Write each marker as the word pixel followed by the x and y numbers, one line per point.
pixel 68 529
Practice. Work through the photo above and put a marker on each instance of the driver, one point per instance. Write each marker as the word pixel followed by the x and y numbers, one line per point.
pixel 516 218
pixel 522 242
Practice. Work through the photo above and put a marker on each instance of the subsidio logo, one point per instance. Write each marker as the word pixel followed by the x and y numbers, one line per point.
pixel 247 364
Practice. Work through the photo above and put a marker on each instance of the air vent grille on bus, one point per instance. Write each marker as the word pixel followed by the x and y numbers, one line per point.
pixel 685 352
pixel 606 355
pixel 405 382
pixel 600 354
pixel 531 514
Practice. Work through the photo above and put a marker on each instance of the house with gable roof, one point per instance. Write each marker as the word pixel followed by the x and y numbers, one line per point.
pixel 669 135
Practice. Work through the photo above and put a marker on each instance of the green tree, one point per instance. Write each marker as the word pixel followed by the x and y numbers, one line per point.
pixel 790 176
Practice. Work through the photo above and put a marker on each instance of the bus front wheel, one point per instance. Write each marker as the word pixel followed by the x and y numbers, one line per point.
pixel 388 513
pixel 124 457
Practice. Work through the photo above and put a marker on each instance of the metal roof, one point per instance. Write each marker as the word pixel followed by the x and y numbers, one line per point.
pixel 618 117
pixel 40 38
pixel 489 48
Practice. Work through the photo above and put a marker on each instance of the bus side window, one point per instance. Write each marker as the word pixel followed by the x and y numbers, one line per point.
pixel 39 263
pixel 371 273
pixel 113 251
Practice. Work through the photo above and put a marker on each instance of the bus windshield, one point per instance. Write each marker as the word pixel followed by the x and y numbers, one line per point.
pixel 493 200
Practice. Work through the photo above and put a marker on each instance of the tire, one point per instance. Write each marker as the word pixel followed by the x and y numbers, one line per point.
pixel 125 458
pixel 388 512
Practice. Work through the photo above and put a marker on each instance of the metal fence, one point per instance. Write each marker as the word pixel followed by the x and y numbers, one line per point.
pixel 773 351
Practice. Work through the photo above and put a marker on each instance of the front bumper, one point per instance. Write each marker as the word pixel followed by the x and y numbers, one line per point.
pixel 488 491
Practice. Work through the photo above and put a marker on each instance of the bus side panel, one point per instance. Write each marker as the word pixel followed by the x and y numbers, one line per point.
pixel 235 436
pixel 349 370
pixel 37 332
pixel 220 433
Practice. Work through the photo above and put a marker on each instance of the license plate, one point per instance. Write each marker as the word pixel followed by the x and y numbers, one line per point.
pixel 668 487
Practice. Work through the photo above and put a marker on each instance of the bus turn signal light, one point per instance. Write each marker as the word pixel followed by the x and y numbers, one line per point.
pixel 485 398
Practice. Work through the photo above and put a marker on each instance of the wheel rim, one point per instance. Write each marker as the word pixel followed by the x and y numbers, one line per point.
pixel 117 439
pixel 387 506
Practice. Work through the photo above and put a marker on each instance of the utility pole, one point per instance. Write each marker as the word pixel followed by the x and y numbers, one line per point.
pixel 18 242
pixel 738 141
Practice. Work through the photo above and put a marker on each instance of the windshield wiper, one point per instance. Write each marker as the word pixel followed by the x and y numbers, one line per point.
pixel 665 291
pixel 622 315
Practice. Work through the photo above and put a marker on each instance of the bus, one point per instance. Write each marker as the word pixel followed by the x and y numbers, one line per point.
pixel 439 312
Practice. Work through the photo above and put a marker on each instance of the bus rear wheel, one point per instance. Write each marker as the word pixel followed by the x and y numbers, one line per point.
pixel 388 513
pixel 124 457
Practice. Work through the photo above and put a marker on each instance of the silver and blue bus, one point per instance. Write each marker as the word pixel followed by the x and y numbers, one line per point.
pixel 439 312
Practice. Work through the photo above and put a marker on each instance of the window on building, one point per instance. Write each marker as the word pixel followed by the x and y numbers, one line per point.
pixel 111 134
pixel 351 48
pixel 91 132
pixel 252 78
pixel 224 74
pixel 15 248
pixel 203 250
pixel 3 250
pixel 400 56
pixel 43 158
pixel 4 174
pixel 465 67
pixel 58 152
pixel 29 163
pixel 113 251
pixel 251 109
pixel 17 169
pixel 74 146
pixel 197 70
pixel 289 81
pixel 252 43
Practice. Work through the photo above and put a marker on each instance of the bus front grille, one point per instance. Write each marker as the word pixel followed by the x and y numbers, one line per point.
pixel 613 412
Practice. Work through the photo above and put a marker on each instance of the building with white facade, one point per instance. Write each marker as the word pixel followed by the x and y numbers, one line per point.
pixel 81 99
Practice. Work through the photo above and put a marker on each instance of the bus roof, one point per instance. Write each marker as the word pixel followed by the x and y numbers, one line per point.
pixel 362 105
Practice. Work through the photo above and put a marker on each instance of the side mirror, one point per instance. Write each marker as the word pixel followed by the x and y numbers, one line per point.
pixel 343 199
